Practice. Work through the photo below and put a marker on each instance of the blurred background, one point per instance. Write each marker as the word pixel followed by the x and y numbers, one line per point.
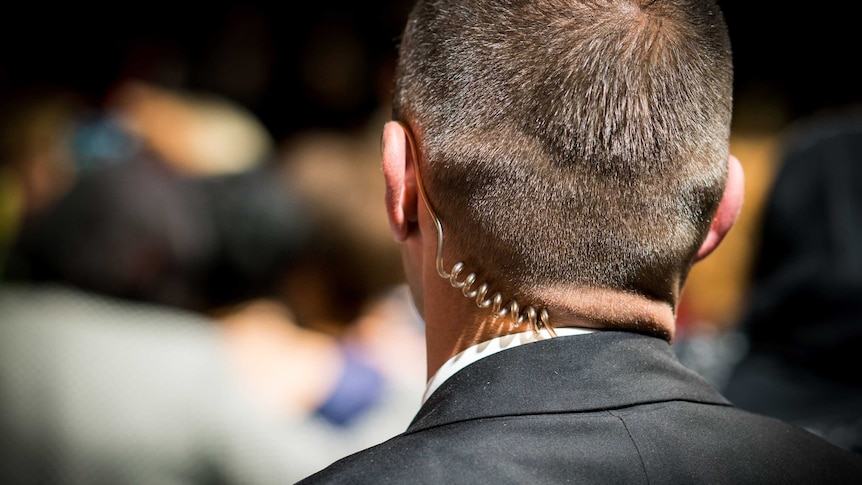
pixel 222 161
pixel 325 71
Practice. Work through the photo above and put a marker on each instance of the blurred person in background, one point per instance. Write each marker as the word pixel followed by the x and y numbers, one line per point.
pixel 36 160
pixel 109 371
pixel 350 283
pixel 142 334
pixel 802 324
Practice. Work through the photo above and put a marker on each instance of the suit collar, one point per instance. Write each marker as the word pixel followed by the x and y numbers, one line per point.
pixel 603 370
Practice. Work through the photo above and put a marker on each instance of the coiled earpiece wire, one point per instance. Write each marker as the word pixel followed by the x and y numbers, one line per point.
pixel 537 319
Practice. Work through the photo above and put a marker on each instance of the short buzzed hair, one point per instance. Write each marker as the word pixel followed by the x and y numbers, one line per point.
pixel 571 142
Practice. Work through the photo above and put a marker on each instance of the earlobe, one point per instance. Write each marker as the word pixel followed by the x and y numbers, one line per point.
pixel 728 209
pixel 400 181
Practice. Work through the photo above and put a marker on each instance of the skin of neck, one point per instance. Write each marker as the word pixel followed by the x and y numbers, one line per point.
pixel 454 322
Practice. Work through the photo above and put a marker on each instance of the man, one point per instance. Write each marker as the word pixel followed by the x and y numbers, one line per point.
pixel 574 155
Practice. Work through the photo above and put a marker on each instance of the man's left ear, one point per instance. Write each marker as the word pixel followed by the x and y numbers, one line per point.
pixel 728 209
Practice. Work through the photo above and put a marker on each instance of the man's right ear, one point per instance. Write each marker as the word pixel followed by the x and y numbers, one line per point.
pixel 400 177
pixel 728 209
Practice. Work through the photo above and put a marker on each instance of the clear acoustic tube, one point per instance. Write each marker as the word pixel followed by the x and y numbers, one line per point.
pixel 537 319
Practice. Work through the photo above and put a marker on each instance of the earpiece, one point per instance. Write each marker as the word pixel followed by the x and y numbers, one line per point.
pixel 537 319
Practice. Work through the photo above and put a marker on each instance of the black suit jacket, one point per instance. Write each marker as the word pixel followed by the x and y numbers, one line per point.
pixel 608 407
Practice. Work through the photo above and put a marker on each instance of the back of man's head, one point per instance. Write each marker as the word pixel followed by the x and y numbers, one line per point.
pixel 570 143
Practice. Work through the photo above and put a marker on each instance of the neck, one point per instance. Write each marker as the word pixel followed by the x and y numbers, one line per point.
pixel 454 323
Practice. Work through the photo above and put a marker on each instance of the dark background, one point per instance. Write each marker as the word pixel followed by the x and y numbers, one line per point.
pixel 318 64
pixel 327 63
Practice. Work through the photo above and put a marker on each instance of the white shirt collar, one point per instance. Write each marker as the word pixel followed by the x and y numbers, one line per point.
pixel 489 347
